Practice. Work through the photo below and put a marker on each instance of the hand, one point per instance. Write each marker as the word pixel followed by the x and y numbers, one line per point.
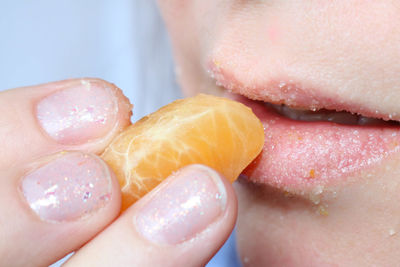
pixel 54 202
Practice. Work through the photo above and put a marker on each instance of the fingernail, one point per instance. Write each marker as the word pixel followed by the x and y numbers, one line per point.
pixel 193 199
pixel 82 112
pixel 68 188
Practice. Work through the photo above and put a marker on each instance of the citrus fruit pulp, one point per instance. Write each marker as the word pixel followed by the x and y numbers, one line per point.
pixel 214 131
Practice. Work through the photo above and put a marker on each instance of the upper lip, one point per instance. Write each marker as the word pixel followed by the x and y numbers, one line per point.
pixel 291 93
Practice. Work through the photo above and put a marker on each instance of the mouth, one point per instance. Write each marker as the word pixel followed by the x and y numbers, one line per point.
pixel 312 141
pixel 341 117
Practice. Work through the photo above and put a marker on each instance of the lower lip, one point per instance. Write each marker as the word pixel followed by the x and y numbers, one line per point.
pixel 300 155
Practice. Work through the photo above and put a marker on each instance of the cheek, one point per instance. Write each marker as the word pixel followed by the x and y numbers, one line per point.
pixel 192 26
pixel 355 225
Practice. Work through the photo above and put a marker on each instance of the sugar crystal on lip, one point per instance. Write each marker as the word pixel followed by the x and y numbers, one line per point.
pixel 392 232
pixel 322 210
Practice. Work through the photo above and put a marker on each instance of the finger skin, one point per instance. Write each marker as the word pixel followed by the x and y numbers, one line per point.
pixel 122 245
pixel 21 136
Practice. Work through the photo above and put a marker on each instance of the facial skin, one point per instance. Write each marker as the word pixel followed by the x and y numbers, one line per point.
pixel 342 54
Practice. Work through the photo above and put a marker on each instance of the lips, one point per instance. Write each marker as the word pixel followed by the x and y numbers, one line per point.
pixel 308 144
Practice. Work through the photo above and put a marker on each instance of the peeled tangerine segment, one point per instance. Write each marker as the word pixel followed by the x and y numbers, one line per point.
pixel 217 132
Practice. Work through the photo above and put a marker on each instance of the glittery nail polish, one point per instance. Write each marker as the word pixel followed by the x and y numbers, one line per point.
pixel 193 199
pixel 68 188
pixel 84 111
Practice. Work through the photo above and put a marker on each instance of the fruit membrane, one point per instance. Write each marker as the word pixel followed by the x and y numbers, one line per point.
pixel 220 133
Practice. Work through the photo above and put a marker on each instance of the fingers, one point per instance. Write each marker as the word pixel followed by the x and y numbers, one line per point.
pixel 183 222
pixel 81 114
pixel 52 203
pixel 56 206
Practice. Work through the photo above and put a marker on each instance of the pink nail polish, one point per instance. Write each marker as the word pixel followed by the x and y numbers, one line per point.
pixel 194 198
pixel 78 114
pixel 71 186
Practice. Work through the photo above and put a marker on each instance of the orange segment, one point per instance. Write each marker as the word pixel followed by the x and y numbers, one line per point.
pixel 209 130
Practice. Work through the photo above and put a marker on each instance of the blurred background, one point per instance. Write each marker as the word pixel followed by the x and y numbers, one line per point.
pixel 121 41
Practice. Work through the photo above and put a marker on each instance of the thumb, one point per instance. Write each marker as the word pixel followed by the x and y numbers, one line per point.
pixel 183 222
